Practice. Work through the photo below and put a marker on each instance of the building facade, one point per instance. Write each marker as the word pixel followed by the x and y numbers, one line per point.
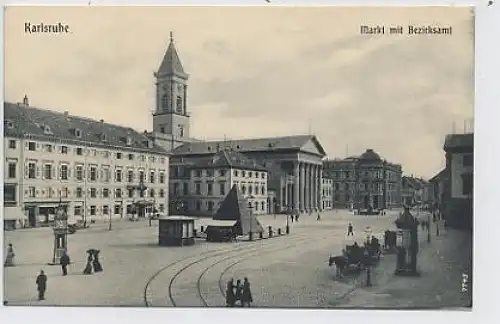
pixel 327 194
pixel 199 187
pixel 94 169
pixel 294 165
pixel 365 181
pixel 458 210
pixel 440 187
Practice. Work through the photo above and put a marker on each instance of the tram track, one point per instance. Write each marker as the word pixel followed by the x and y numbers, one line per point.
pixel 245 257
pixel 213 254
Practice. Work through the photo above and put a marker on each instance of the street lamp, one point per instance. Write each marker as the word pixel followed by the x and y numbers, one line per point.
pixel 429 228
pixel 110 227
pixel 250 234
pixel 288 212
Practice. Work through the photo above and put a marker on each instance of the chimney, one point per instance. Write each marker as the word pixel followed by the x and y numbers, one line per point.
pixel 101 121
pixel 66 113
pixel 26 101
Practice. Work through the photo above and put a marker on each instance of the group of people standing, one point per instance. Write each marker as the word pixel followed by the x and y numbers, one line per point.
pixel 239 293
pixel 92 262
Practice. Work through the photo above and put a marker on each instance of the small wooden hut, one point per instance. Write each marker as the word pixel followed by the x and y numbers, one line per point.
pixel 176 231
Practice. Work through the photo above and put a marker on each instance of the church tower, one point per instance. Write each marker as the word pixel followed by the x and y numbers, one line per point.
pixel 171 117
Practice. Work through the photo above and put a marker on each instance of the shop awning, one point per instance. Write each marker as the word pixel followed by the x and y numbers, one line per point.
pixel 13 213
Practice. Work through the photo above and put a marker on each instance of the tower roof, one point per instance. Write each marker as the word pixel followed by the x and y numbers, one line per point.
pixel 171 63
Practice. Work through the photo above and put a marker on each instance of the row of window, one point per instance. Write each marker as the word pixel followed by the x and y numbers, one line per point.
pixel 80 151
pixel 49 171
pixel 79 192
pixel 106 210
pixel 256 206
pixel 363 186
pixel 379 174
pixel 223 172
pixel 348 198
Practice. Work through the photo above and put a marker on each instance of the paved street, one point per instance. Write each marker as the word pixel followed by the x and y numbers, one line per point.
pixel 287 271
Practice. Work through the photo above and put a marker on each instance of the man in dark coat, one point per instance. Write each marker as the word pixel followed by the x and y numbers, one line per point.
pixel 65 261
pixel 230 297
pixel 350 229
pixel 41 282
pixel 246 296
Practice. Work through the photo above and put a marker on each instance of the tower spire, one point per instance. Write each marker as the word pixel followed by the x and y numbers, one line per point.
pixel 171 36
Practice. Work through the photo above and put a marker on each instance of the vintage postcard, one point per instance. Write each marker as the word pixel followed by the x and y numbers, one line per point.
pixel 265 156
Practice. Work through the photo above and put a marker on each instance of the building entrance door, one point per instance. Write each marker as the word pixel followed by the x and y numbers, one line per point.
pixel 31 216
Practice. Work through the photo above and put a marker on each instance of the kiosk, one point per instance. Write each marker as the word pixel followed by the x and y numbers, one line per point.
pixel 175 231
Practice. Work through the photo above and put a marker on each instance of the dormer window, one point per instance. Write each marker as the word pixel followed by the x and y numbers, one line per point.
pixel 238 147
pixel 209 148
pixel 78 133
pixel 104 137
pixel 47 130
pixel 129 140
pixel 10 124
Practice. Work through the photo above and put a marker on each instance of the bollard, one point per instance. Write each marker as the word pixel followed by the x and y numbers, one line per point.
pixel 270 228
pixel 261 235
pixel 250 236
pixel 202 229
pixel 279 231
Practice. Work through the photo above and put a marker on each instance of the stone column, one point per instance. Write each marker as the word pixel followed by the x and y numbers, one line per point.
pixel 314 189
pixel 296 192
pixel 302 186
pixel 306 187
pixel 320 185
pixel 284 204
pixel 311 188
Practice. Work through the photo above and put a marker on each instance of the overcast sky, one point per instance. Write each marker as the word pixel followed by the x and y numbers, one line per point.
pixel 259 71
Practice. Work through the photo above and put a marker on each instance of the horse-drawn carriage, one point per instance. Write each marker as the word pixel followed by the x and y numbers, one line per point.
pixel 356 258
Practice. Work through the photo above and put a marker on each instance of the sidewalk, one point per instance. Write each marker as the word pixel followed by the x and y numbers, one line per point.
pixel 441 264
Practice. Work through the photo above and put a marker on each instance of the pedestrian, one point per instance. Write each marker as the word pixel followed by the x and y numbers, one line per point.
pixel 41 282
pixel 238 292
pixel 9 259
pixel 97 265
pixel 246 297
pixel 65 261
pixel 88 267
pixel 350 230
pixel 230 297
pixel 319 217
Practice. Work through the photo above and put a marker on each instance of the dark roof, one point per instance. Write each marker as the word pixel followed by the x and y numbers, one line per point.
pixel 439 176
pixel 459 141
pixel 414 182
pixel 171 63
pixel 27 120
pixel 229 159
pixel 370 156
pixel 295 142
pixel 235 207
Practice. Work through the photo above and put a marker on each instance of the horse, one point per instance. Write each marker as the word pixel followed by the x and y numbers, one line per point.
pixel 340 264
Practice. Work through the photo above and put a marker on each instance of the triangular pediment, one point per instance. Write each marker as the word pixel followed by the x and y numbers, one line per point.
pixel 313 146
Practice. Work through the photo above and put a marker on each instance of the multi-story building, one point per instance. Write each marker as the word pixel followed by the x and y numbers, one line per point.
pixel 365 181
pixel 458 209
pixel 439 187
pixel 199 187
pixel 327 194
pixel 294 165
pixel 93 168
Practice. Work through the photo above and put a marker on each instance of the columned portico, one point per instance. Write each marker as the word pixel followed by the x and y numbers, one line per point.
pixel 311 187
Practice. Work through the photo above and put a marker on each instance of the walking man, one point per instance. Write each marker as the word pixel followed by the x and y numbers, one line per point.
pixel 350 230
pixel 65 261
pixel 41 282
